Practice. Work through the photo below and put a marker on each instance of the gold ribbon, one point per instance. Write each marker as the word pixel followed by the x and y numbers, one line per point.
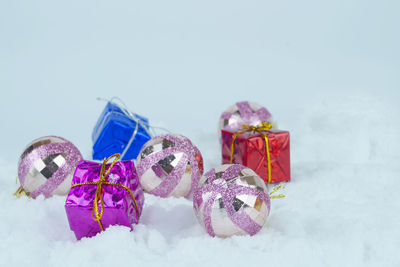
pixel 98 214
pixel 21 192
pixel 264 126
pixel 276 188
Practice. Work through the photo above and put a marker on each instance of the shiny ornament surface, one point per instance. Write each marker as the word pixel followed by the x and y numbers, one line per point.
pixel 47 165
pixel 169 165
pixel 243 113
pixel 231 200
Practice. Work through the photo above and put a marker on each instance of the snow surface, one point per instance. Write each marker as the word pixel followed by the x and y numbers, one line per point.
pixel 327 70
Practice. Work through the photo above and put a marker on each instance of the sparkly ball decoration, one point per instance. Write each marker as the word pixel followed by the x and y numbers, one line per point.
pixel 47 165
pixel 169 165
pixel 231 200
pixel 243 113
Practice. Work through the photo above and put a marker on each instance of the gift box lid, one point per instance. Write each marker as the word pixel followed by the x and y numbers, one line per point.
pixel 123 172
pixel 251 134
pixel 114 112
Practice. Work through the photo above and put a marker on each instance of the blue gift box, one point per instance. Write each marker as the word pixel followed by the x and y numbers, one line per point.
pixel 113 131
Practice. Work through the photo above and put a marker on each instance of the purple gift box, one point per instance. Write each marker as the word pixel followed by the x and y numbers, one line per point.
pixel 113 197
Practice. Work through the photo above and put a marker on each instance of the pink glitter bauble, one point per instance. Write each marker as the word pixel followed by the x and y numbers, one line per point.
pixel 169 165
pixel 47 165
pixel 231 200
pixel 243 113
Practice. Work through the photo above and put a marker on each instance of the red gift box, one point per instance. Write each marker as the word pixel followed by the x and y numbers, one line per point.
pixel 250 151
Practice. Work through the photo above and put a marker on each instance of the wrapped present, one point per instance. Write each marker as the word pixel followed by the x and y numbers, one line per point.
pixel 102 195
pixel 119 131
pixel 262 149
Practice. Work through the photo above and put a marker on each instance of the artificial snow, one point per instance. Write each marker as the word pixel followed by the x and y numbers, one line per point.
pixel 341 208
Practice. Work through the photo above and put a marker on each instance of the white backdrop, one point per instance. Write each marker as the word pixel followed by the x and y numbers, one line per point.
pixel 181 63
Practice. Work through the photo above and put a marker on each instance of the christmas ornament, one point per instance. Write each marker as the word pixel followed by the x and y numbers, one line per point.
pixel 169 165
pixel 243 113
pixel 260 148
pixel 231 200
pixel 102 195
pixel 119 131
pixel 46 167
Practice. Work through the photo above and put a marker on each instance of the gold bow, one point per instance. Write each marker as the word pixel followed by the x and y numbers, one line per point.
pixel 264 126
pixel 96 214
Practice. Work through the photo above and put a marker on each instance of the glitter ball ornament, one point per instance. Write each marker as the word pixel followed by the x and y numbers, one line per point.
pixel 46 166
pixel 243 113
pixel 169 165
pixel 231 200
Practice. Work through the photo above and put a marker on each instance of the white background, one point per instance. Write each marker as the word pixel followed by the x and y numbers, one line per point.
pixel 181 63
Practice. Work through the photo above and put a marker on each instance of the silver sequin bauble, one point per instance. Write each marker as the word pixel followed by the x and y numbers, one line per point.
pixel 169 165
pixel 243 113
pixel 231 200
pixel 47 165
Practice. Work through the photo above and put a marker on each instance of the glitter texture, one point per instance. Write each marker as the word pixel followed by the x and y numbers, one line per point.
pixel 169 165
pixel 119 208
pixel 231 200
pixel 46 166
pixel 243 113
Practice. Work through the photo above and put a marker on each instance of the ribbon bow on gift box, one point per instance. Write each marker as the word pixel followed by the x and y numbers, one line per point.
pixel 264 126
pixel 97 214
